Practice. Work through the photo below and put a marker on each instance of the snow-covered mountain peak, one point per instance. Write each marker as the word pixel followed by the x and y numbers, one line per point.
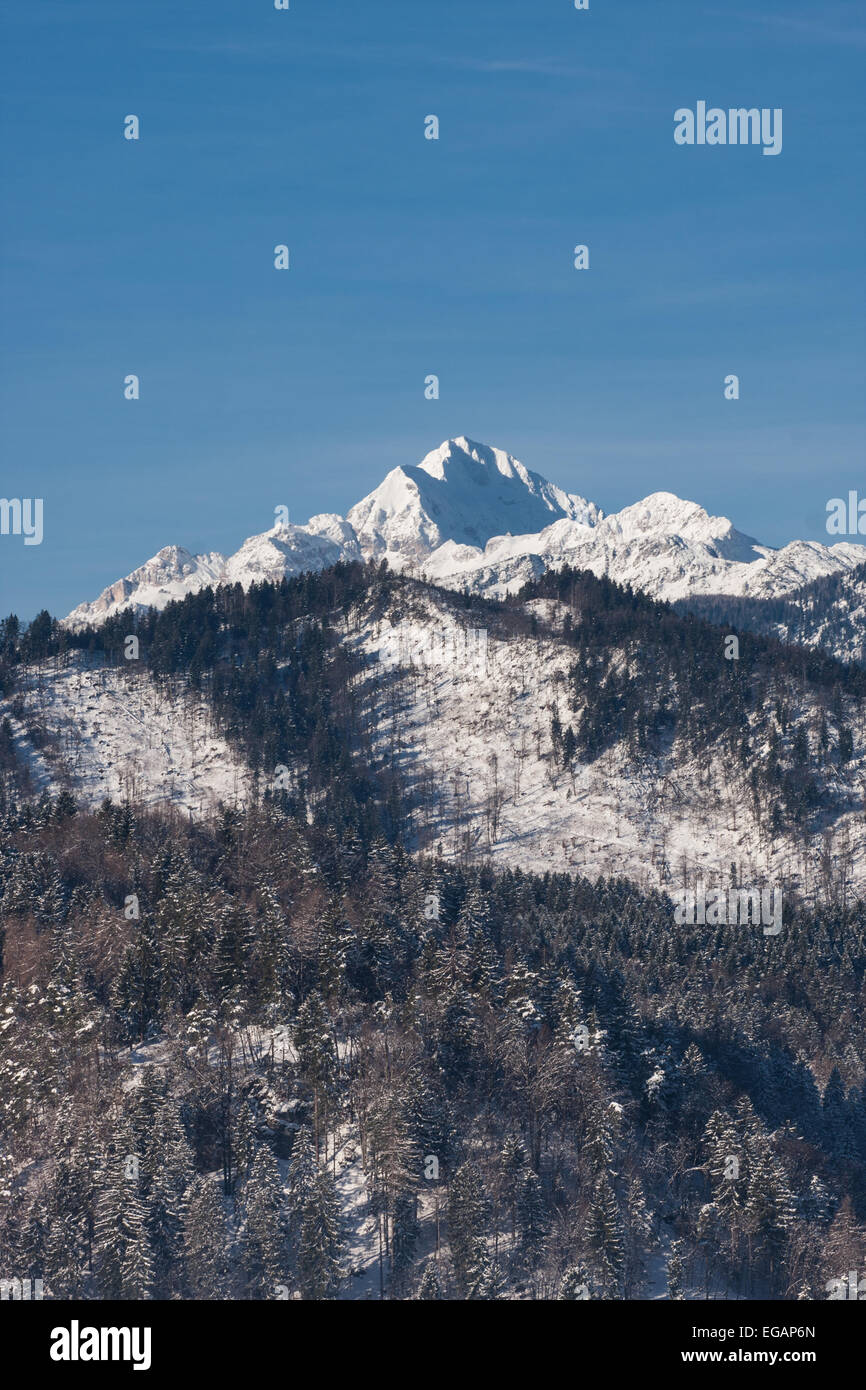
pixel 463 462
pixel 280 553
pixel 462 492
pixel 170 574
pixel 473 516
pixel 664 514
pixel 668 513
pixel 333 528
pixel 456 456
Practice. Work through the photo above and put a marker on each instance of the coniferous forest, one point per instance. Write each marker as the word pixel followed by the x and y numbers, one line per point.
pixel 286 1052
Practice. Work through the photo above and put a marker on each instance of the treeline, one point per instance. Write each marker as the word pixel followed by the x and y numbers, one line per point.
pixel 284 686
pixel 802 616
pixel 647 678
pixel 279 681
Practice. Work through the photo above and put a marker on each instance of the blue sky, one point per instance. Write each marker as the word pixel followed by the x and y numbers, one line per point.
pixel 412 257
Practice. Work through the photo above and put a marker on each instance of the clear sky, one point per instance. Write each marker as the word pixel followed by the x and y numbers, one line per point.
pixel 410 257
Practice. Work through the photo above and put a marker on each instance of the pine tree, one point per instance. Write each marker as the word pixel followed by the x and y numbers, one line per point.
pixel 314 1043
pixel 484 1278
pixel 769 1211
pixel 816 1204
pixel 245 1140
pixel 512 1169
pixel 264 1252
pixel 430 1127
pixel 843 1245
pixel 532 1216
pixel 430 1287
pixel 320 1243
pixel 404 1237
pixel 173 1176
pixel 604 1239
pixel 675 1271
pixel 137 1264
pixel 467 1214
pixel 638 1237
pixel 68 1209
pixel 726 1158
pixel 123 1256
pixel 601 1141
pixel 205 1241
pixel 301 1177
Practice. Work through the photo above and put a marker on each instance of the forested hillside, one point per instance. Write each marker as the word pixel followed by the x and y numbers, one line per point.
pixel 829 613
pixel 293 677
pixel 547 1088
pixel 289 1049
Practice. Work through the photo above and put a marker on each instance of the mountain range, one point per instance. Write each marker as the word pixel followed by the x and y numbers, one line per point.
pixel 602 728
pixel 472 517
pixel 591 730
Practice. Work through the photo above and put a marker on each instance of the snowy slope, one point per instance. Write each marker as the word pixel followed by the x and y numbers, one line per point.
pixel 478 734
pixel 468 725
pixel 171 574
pixel 835 620
pixel 829 613
pixel 289 550
pixel 115 733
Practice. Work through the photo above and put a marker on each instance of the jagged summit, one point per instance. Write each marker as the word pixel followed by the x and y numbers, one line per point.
pixel 170 574
pixel 462 492
pixel 462 459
